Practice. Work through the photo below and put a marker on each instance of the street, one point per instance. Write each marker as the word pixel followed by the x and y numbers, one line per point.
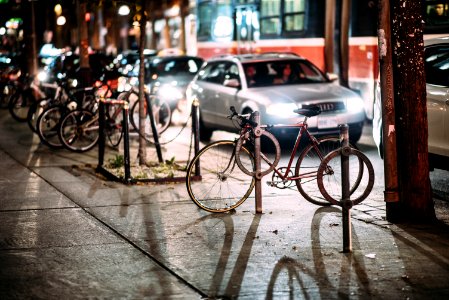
pixel 67 232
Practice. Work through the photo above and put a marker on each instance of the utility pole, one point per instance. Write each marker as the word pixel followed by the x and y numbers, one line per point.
pixel 391 195
pixel 409 93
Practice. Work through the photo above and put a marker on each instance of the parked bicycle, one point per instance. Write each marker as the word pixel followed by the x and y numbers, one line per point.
pixel 51 110
pixel 222 174
pixel 78 130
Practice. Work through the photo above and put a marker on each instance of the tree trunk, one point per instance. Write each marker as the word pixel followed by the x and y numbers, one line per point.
pixel 411 111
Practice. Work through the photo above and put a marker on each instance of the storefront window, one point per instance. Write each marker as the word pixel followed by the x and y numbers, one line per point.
pixel 215 20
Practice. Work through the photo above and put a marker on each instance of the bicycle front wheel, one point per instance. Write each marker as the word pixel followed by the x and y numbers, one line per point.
pixel 114 124
pixel 47 126
pixel 214 181
pixel 19 105
pixel 79 130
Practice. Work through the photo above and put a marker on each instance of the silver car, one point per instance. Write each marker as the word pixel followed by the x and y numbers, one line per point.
pixel 274 84
pixel 436 62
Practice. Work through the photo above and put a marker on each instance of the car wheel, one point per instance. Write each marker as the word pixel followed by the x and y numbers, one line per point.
pixel 355 133
pixel 205 133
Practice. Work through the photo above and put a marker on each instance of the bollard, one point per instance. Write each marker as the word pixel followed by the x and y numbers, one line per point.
pixel 126 155
pixel 101 133
pixel 196 132
pixel 346 213
pixel 258 183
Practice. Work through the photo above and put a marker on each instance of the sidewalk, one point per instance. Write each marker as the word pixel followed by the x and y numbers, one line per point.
pixel 68 233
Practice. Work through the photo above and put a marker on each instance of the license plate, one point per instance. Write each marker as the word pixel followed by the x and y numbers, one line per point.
pixel 327 122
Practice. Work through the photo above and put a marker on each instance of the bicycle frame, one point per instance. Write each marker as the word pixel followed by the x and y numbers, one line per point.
pixel 303 131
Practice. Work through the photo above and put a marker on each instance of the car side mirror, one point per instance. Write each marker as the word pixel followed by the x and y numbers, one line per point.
pixel 234 83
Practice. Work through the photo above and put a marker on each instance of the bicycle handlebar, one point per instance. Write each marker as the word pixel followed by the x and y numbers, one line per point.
pixel 245 119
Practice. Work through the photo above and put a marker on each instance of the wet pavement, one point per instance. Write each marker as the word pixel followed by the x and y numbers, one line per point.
pixel 67 232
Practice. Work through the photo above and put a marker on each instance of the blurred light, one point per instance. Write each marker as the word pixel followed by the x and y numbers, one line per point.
pixel 13 23
pixel 60 20
pixel 2 30
pixel 172 12
pixel 87 17
pixel 223 27
pixel 123 10
pixel 58 9
pixel 42 76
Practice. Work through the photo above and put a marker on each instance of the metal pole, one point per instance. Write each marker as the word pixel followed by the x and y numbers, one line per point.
pixel 126 144
pixel 346 207
pixel 196 132
pixel 258 177
pixel 391 194
pixel 101 133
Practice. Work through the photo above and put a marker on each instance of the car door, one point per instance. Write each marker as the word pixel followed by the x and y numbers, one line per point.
pixel 215 95
pixel 437 85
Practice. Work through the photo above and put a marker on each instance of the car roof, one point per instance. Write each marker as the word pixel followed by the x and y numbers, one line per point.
pixel 436 40
pixel 256 57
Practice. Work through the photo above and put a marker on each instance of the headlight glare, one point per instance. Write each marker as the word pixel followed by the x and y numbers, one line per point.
pixel 284 110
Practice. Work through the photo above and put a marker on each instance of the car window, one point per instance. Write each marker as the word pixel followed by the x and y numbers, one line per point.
pixel 214 72
pixel 436 60
pixel 281 72
pixel 185 66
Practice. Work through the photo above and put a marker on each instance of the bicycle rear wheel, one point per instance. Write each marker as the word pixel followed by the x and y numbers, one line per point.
pixel 307 166
pixel 222 185
pixel 330 170
pixel 79 130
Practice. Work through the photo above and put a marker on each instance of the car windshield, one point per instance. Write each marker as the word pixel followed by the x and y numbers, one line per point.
pixel 175 67
pixel 282 72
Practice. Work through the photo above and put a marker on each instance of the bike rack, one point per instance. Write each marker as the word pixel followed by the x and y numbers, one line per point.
pixel 346 207
pixel 128 179
pixel 102 138
pixel 258 175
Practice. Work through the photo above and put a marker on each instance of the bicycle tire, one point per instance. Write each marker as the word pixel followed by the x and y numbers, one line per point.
pixel 267 140
pixel 79 130
pixel 331 194
pixel 307 166
pixel 114 124
pixel 47 126
pixel 222 186
pixel 19 105
pixel 162 115
pixel 36 109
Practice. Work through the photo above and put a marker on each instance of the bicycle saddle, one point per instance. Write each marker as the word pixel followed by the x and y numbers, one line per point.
pixel 308 111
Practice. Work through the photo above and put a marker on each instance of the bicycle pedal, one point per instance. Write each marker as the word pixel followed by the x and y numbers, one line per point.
pixel 271 183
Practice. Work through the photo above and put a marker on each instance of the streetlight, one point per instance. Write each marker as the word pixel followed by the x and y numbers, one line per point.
pixel 124 11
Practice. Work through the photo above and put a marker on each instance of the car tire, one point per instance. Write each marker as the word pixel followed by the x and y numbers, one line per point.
pixel 205 133
pixel 355 132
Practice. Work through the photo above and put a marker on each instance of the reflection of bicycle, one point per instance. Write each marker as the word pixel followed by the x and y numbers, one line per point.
pixel 224 166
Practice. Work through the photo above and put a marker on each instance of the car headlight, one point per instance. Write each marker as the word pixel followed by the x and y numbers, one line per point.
pixel 284 110
pixel 355 104
pixel 169 92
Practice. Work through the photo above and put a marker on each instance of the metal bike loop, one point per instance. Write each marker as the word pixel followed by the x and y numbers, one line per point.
pixel 258 173
pixel 346 212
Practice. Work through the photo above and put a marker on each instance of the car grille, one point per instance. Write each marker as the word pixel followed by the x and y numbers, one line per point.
pixel 331 106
